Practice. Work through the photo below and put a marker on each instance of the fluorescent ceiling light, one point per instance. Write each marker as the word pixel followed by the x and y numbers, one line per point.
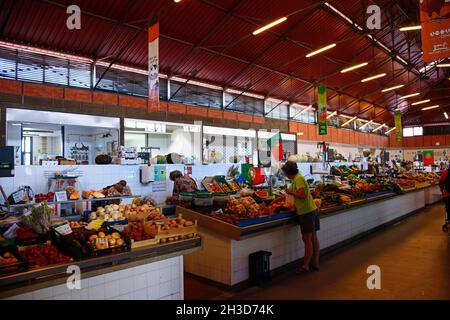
pixel 443 65
pixel 401 59
pixel 332 114
pixel 268 26
pixel 354 118
pixel 176 1
pixel 302 111
pixel 410 95
pixel 420 102
pixel 446 115
pixel 354 67
pixel 393 88
pixel 373 77
pixel 343 16
pixel 321 50
pixel 429 108
pixel 411 28
pixel 390 130
pixel 378 128
pixel 366 124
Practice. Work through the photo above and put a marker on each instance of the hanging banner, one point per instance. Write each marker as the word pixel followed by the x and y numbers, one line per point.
pixel 153 67
pixel 322 109
pixel 398 126
pixel 435 22
pixel 428 157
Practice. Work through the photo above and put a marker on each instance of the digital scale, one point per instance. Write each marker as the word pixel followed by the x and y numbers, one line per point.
pixel 6 162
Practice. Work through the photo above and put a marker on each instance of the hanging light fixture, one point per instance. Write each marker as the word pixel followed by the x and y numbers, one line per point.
pixel 270 25
pixel 446 115
pixel 420 102
pixel 390 130
pixel 332 114
pixel 429 108
pixel 410 95
pixel 373 77
pixel 393 88
pixel 366 124
pixel 411 28
pixel 354 67
pixel 321 50
pixel 378 128
pixel 347 122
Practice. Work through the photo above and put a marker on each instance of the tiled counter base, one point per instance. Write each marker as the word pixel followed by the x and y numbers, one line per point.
pixel 226 261
pixel 432 195
pixel 157 277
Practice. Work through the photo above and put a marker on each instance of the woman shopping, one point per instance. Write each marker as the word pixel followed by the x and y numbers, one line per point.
pixel 308 217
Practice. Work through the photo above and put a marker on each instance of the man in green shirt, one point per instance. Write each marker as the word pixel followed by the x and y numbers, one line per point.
pixel 308 217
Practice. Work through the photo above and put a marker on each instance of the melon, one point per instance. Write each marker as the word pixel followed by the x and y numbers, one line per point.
pixel 262 194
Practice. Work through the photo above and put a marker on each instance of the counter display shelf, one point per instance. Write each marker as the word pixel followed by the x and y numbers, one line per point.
pixel 225 252
pixel 236 232
pixel 31 283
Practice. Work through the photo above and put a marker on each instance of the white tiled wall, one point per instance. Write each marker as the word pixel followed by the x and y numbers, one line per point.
pixel 226 261
pixel 99 176
pixel 162 280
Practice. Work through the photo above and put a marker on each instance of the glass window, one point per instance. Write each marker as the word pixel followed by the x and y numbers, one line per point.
pixel 418 131
pixel 408 132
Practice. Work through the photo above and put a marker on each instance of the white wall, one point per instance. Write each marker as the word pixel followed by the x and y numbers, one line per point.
pixel 14 138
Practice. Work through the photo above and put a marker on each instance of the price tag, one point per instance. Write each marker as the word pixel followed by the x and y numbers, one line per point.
pixel 18 196
pixel 101 243
pixel 61 196
pixel 64 229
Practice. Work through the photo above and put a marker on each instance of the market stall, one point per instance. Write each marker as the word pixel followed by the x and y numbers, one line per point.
pixel 348 210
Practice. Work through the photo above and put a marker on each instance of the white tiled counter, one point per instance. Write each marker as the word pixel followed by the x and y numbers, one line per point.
pixel 147 274
pixel 432 194
pixel 225 260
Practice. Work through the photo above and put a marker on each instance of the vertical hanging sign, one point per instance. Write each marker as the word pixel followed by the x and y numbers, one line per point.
pixel 428 157
pixel 153 67
pixel 435 22
pixel 322 109
pixel 398 126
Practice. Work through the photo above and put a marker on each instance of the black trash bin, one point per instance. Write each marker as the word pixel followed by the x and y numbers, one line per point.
pixel 259 267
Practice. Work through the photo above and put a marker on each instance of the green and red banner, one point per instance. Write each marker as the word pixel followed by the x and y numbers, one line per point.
pixel 398 126
pixel 275 145
pixel 428 157
pixel 322 109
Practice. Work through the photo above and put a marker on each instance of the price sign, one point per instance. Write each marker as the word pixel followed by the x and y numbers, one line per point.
pixel 64 229
pixel 61 196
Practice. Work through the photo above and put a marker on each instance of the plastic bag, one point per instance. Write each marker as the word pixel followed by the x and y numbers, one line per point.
pixel 290 200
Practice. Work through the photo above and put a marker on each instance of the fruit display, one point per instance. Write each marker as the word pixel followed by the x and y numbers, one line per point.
pixel 245 206
pixel 7 258
pixel 278 207
pixel 224 186
pixel 72 193
pixel 40 197
pixel 143 212
pixel 116 190
pixel 77 224
pixel 214 187
pixel 136 232
pixel 169 230
pixel 234 186
pixel 109 213
pixel 102 240
pixel 43 255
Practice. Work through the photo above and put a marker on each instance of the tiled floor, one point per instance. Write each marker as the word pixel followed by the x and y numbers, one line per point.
pixel 414 258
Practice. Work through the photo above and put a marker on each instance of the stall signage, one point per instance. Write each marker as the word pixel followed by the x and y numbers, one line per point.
pixel 398 126
pixel 153 67
pixel 61 196
pixel 435 22
pixel 428 157
pixel 322 109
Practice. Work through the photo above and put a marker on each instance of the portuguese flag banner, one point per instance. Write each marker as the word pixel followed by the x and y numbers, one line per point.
pixel 322 109
pixel 275 145
pixel 428 157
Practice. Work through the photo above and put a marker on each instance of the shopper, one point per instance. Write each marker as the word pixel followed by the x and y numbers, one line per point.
pixel 444 184
pixel 308 216
pixel 182 183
